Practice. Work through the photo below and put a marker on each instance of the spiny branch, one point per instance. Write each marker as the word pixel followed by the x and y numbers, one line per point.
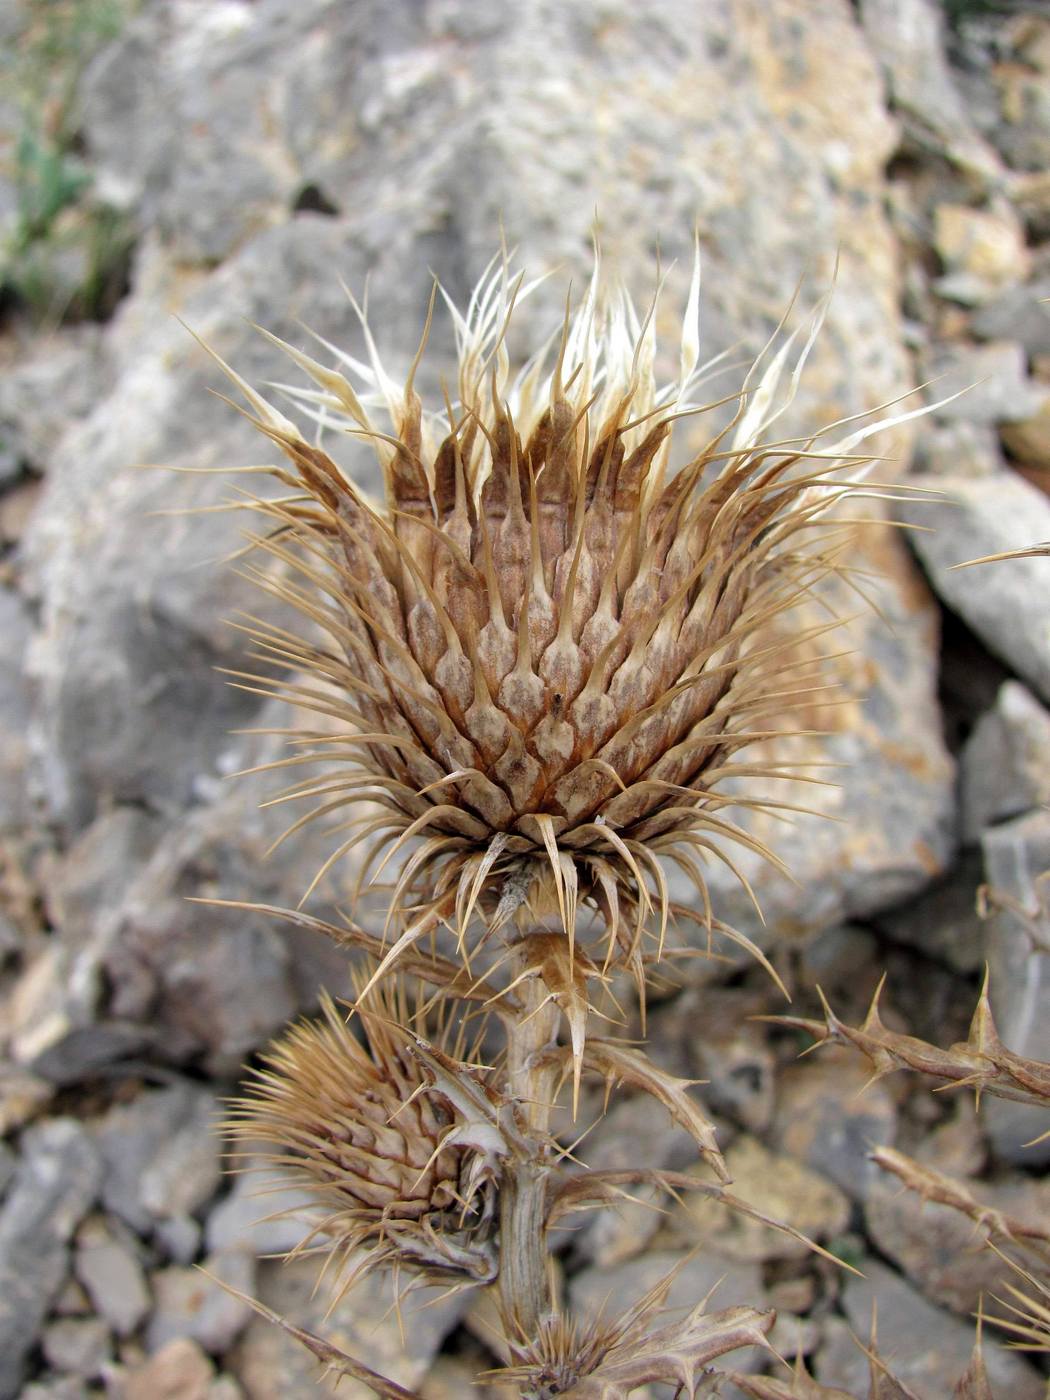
pixel 980 1062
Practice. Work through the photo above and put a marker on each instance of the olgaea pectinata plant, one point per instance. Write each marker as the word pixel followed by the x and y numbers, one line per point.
pixel 533 670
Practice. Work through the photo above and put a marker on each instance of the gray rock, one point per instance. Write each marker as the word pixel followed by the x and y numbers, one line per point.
pixel 91 876
pixel 55 1185
pixel 12 940
pixel 928 1349
pixel 942 921
pixel 983 250
pixel 1022 132
pixel 138 968
pixel 990 380
pixel 936 1247
pixel 271 1365
pixel 892 797
pixel 161 1153
pixel 79 1345
pixel 959 449
pixel 636 1132
pixel 65 1388
pixel 53 382
pixel 55 1028
pixel 1019 314
pixel 178 1238
pixel 16 706
pixel 259 1215
pixel 189 1303
pixel 838 957
pixel 129 645
pixel 610 1292
pixel 112 1274
pixel 1004 602
pixel 908 38
pixel 8 1164
pixel 778 1185
pixel 829 1117
pixel 1005 766
pixel 22 1096
pixel 1016 862
pixel 213 982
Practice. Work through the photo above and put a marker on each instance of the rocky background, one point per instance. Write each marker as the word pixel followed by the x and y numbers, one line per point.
pixel 228 162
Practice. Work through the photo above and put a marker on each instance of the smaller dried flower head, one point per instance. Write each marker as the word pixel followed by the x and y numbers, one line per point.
pixel 545 651
pixel 608 1359
pixel 395 1141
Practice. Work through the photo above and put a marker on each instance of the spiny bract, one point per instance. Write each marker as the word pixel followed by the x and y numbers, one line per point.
pixel 544 650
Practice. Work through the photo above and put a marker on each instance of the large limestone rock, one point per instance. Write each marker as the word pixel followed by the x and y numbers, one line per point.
pixel 235 131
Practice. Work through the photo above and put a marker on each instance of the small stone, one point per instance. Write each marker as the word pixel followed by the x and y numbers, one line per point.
pixel 908 39
pixel 181 1371
pixel 1005 766
pixel 8 1163
pixel 92 874
pixel 12 939
pixel 54 1186
pixel 110 1271
pixel 990 380
pixel 189 1303
pixel 179 1238
pixel 1030 195
pixel 1016 860
pixel 16 703
pixel 829 1117
pixel 64 1388
pixel 22 1095
pixel 161 1153
pixel 225 1388
pixel 1004 603
pixel 79 1345
pixel 985 244
pixel 777 1185
pixel 73 1301
pixel 732 1058
pixel 959 449
pixel 1018 313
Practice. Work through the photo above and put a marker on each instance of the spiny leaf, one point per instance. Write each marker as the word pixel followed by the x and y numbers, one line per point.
pixel 980 1062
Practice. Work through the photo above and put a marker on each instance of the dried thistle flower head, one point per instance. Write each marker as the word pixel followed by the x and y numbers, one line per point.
pixel 609 1359
pixel 545 650
pixel 395 1141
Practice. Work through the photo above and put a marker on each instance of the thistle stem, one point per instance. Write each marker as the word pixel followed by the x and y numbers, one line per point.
pixel 524 1276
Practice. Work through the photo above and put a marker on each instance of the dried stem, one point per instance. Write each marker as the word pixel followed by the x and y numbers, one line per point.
pixel 532 1075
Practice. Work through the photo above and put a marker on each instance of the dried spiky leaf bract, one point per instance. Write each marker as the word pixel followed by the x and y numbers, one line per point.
pixel 544 651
